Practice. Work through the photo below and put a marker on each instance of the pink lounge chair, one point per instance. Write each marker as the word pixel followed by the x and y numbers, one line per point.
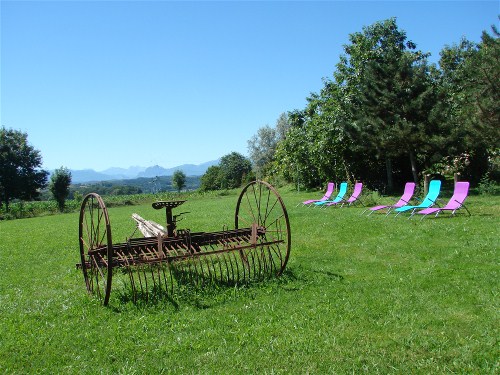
pixel 329 191
pixel 455 203
pixel 354 198
pixel 405 199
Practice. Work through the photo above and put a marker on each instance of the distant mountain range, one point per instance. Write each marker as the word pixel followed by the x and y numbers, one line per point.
pixel 90 175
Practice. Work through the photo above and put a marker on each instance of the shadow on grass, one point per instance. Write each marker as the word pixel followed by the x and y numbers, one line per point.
pixel 202 290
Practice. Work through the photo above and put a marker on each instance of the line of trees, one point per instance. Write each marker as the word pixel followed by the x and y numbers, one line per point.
pixel 21 175
pixel 388 115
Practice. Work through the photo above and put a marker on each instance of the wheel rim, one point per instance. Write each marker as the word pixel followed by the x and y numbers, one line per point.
pixel 96 247
pixel 259 203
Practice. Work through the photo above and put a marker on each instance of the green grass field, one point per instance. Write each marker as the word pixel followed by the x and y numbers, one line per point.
pixel 360 295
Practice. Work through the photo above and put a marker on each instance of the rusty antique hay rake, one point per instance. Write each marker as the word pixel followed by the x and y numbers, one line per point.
pixel 257 247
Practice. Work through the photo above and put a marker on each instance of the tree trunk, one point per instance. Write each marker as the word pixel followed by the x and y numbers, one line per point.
pixel 4 199
pixel 413 166
pixel 388 167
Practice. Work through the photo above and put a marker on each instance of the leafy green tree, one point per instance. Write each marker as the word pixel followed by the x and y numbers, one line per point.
pixel 262 146
pixel 482 114
pixel 60 181
pixel 282 126
pixel 468 106
pixel 211 179
pixel 234 169
pixel 484 90
pixel 389 82
pixel 179 180
pixel 21 176
pixel 312 152
pixel 387 108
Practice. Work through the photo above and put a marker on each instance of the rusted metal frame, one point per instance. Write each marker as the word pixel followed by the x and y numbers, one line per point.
pixel 148 255
pixel 199 239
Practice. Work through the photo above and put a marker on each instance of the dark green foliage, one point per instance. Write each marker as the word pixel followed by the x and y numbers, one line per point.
pixel 20 173
pixel 179 180
pixel 470 115
pixel 313 150
pixel 393 95
pixel 59 186
pixel 389 116
pixel 211 179
pixel 233 170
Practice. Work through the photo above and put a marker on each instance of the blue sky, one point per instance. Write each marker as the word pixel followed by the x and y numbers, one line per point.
pixel 100 84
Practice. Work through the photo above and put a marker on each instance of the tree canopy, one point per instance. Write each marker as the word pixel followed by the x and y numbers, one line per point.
pixel 60 181
pixel 388 114
pixel 179 180
pixel 233 170
pixel 21 176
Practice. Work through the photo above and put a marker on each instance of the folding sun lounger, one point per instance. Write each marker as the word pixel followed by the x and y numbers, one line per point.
pixel 405 199
pixel 358 186
pixel 455 203
pixel 329 191
pixel 429 200
pixel 338 198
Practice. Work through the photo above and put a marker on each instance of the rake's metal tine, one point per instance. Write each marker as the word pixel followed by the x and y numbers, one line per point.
pixel 264 255
pixel 220 258
pixel 214 261
pixel 145 280
pixel 140 279
pixel 236 264
pixel 131 277
pixel 228 276
pixel 211 268
pixel 206 274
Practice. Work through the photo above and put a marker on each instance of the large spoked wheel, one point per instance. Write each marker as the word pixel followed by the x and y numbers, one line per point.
pixel 260 205
pixel 96 246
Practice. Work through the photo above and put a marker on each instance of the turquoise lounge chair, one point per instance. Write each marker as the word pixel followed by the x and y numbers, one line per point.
pixel 338 198
pixel 429 200
pixel 354 198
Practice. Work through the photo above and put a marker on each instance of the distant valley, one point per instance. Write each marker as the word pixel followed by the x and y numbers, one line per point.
pixel 112 174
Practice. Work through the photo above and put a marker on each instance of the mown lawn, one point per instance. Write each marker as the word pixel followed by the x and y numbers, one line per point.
pixel 360 295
